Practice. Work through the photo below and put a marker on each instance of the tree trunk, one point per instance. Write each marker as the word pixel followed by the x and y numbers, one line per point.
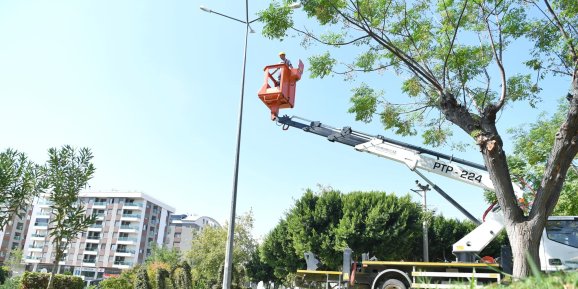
pixel 52 273
pixel 525 242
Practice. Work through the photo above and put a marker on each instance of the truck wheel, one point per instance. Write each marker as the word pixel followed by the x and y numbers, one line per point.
pixel 393 284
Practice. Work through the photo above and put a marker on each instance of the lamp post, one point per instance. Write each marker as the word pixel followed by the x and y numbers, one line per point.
pixel 423 189
pixel 228 268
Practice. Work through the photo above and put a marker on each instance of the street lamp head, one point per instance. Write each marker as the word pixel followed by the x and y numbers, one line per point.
pixel 206 9
pixel 295 5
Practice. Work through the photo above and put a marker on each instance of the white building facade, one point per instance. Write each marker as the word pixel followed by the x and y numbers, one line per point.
pixel 182 229
pixel 128 225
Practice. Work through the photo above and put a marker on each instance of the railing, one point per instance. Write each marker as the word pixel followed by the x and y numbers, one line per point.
pixel 99 204
pixel 123 263
pixel 131 216
pixel 92 261
pixel 38 235
pixel 96 226
pixel 125 251
pixel 41 224
pixel 36 246
pixel 128 239
pixel 91 249
pixel 129 227
pixel 134 204
pixel 98 214
pixel 33 257
pixel 93 237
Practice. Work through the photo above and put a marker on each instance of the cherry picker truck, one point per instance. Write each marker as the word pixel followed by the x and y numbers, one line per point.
pixel 558 246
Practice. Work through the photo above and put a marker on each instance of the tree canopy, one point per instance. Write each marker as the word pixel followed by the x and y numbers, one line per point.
pixel 461 63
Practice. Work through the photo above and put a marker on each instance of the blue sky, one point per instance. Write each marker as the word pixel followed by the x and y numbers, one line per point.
pixel 152 87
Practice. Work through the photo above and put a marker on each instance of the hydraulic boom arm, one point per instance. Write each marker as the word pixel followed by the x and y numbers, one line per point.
pixel 415 157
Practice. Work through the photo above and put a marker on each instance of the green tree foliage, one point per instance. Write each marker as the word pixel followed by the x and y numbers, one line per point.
pixel 66 172
pixel 18 184
pixel 183 278
pixel 376 222
pixel 116 283
pixel 34 280
pixel 321 214
pixel 142 279
pixel 14 260
pixel 384 225
pixel 207 253
pixel 126 280
pixel 460 63
pixel 278 252
pixel 532 145
pixel 257 270
pixel 164 255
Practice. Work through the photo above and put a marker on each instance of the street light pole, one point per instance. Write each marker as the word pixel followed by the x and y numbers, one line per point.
pixel 228 268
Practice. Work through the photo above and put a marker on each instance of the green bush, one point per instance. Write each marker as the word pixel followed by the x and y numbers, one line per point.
pixel 12 283
pixel 116 283
pixel 4 274
pixel 34 280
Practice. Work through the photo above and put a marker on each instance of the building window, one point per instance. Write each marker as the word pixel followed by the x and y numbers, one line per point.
pixel 19 226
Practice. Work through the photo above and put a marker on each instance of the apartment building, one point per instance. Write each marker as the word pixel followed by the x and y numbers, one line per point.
pixel 182 229
pixel 128 225
pixel 13 234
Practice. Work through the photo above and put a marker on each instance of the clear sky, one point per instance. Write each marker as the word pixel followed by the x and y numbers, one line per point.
pixel 153 87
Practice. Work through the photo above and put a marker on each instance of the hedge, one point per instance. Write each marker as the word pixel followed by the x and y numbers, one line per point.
pixel 35 280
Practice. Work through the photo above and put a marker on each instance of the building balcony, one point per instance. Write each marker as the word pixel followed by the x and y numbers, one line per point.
pixel 125 253
pixel 122 264
pixel 130 217
pixel 38 236
pixel 133 206
pixel 41 226
pixel 43 203
pixel 99 205
pixel 95 228
pixel 92 239
pixel 126 240
pixel 32 259
pixel 129 229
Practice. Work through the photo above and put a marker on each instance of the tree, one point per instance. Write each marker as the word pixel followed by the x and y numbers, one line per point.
pixel 207 253
pixel 66 172
pixel 142 279
pixel 458 64
pixel 278 252
pixel 181 276
pixel 18 184
pixel 312 222
pixel 532 145
pixel 375 222
pixel 258 270
pixel 14 260
pixel 164 255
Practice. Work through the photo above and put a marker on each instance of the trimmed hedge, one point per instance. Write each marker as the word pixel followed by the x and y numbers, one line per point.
pixel 35 280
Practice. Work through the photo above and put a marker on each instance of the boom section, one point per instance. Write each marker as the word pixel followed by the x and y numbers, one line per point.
pixel 414 157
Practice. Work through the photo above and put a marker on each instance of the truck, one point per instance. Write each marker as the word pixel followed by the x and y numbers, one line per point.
pixel 558 247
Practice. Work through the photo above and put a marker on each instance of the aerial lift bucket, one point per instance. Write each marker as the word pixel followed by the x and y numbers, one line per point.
pixel 278 90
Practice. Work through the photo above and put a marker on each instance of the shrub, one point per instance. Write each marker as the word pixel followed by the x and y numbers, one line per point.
pixel 35 280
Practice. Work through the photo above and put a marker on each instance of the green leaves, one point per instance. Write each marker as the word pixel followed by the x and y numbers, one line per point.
pixel 277 20
pixel 321 65
pixel 18 184
pixel 364 103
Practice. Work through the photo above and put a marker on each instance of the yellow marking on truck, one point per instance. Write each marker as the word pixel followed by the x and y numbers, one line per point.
pixel 319 272
pixel 428 264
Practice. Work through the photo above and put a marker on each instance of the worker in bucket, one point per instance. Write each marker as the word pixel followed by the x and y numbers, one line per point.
pixel 285 61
